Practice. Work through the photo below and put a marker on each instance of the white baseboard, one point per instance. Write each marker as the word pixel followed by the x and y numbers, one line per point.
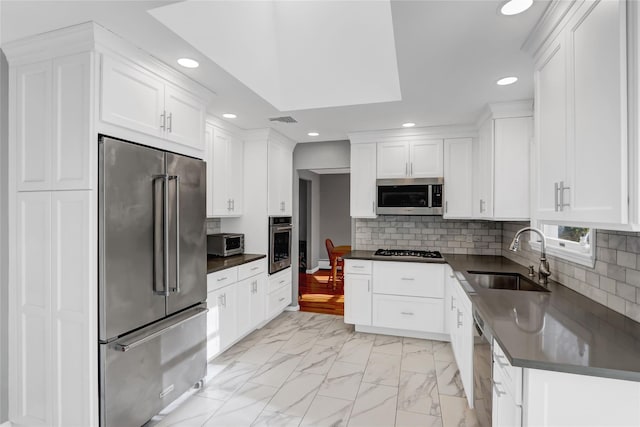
pixel 308 272
pixel 287 308
pixel 6 424
pixel 402 333
pixel 323 264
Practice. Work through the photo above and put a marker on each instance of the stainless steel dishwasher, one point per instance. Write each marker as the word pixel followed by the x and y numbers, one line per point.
pixel 482 371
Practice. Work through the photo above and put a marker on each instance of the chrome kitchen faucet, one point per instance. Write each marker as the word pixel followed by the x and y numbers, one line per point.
pixel 543 268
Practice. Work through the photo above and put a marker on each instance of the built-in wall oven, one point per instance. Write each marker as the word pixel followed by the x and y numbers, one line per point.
pixel 280 230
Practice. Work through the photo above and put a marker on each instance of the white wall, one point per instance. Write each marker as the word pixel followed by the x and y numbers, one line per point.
pixel 313 229
pixel 335 219
pixel 4 318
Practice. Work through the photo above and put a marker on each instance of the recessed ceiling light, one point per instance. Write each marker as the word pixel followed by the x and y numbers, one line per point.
pixel 408 125
pixel 313 134
pixel 229 116
pixel 507 81
pixel 188 63
pixel 514 7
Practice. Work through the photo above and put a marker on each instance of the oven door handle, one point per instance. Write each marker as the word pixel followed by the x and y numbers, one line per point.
pixel 281 228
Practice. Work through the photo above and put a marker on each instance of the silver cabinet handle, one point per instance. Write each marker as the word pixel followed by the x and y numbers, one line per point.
pixel 281 281
pixel 459 318
pixel 556 191
pixel 498 358
pixel 406 313
pixel 373 206
pixel 254 268
pixel 222 279
pixel 368 285
pixel 233 205
pixel 357 266
pixel 408 278
pixel 228 205
pixel 281 299
pixel 170 123
pixel 163 120
pixel 406 168
pixel 562 203
pixel 495 387
pixel 453 307
pixel 177 214
pixel 411 169
pixel 446 206
pixel 220 300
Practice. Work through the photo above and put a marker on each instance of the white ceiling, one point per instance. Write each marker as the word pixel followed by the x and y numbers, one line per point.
pixel 449 55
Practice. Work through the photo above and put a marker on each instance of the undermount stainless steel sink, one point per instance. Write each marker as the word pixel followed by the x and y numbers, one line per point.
pixel 509 281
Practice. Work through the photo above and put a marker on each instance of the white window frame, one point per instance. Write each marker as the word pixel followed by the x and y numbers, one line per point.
pixel 567 250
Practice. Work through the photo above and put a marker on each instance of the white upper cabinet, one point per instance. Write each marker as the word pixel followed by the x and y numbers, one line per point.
pixel 53 119
pixel 280 178
pixel 421 158
pixel 581 171
pixel 502 158
pixel 363 180
pixel 140 100
pixel 225 154
pixel 458 178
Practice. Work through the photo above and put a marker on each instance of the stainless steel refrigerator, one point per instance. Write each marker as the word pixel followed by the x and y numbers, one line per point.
pixel 152 279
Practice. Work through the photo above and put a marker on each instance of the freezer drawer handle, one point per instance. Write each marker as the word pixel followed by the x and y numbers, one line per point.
pixel 130 346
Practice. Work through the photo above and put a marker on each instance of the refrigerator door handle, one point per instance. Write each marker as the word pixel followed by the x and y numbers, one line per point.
pixel 126 345
pixel 176 289
pixel 165 237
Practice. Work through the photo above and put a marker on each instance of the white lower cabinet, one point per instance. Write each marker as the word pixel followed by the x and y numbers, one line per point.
pixel 357 292
pixel 460 323
pixel 507 391
pixel 236 303
pixel 397 296
pixel 279 292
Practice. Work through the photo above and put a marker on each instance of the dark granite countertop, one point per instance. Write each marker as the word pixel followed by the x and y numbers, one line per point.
pixel 217 263
pixel 369 255
pixel 560 330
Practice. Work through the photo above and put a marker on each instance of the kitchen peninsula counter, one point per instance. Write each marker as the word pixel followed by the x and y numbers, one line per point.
pixel 560 330
pixel 217 263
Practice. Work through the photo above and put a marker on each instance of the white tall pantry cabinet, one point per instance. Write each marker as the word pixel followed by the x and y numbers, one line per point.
pixel 59 86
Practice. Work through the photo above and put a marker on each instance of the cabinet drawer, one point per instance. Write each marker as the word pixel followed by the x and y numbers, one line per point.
pixel 278 300
pixel 416 314
pixel 221 278
pixel 511 376
pixel 357 266
pixel 410 279
pixel 252 268
pixel 279 280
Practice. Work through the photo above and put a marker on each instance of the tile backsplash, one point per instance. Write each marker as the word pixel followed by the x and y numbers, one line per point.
pixel 213 225
pixel 615 279
pixel 429 233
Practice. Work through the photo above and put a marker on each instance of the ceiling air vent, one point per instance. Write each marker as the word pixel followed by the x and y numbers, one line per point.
pixel 285 119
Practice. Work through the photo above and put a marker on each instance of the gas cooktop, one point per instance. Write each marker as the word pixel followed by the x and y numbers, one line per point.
pixel 407 253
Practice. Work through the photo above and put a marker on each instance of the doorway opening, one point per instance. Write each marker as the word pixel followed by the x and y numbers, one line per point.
pixel 323 214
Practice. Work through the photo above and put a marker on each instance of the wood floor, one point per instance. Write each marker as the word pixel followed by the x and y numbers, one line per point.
pixel 317 294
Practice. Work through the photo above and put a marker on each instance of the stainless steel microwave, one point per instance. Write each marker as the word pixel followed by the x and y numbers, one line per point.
pixel 225 244
pixel 416 196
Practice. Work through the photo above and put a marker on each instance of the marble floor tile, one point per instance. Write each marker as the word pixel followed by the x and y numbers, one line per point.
pixel 342 381
pixel 356 350
pixel 383 369
pixel 192 413
pixel 276 371
pixel 223 385
pixel 410 345
pixel 317 323
pixel 411 419
pixel 456 413
pixel 328 412
pixel 387 344
pixel 443 351
pixel 418 361
pixel 334 337
pixel 296 395
pixel 449 381
pixel 374 406
pixel 299 343
pixel 283 332
pixel 244 407
pixel 218 364
pixel 261 352
pixel 419 393
pixel 252 339
pixel 318 360
pixel 276 419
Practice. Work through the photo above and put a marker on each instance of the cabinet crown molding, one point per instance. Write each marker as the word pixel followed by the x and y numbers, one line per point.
pixel 549 25
pixel 90 36
pixel 269 134
pixel 431 132
pixel 503 110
